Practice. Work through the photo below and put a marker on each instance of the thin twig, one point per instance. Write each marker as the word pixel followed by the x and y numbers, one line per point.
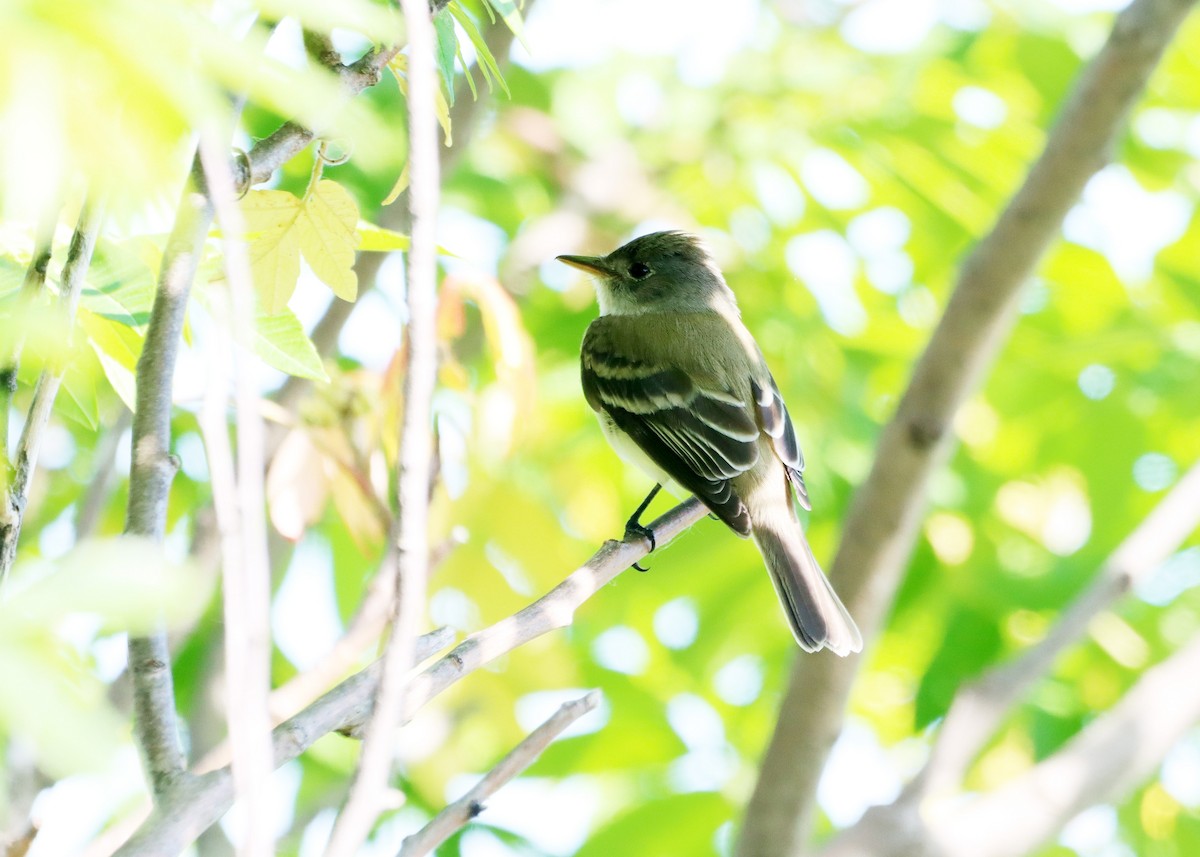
pixel 369 785
pixel 290 698
pixel 10 360
pixel 467 807
pixel 885 515
pixel 97 494
pixel 79 257
pixel 239 504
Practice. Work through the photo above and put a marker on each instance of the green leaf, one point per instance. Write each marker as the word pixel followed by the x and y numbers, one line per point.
pixel 487 62
pixel 467 72
pixel 447 50
pixel 120 286
pixel 280 340
pixel 511 15
pixel 680 824
pixel 117 347
pixel 79 385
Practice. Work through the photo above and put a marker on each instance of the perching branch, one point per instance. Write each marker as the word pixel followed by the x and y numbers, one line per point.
pixel 554 610
pixel 370 782
pixel 886 513
pixel 190 810
pixel 12 500
pixel 467 807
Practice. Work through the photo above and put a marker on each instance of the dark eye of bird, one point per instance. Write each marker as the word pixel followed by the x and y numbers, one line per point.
pixel 639 270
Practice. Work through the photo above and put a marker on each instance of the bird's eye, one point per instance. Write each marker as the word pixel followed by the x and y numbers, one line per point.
pixel 639 270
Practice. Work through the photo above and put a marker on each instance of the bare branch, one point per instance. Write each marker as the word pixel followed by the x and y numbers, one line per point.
pixel 239 505
pixel 979 708
pixel 556 609
pixel 12 501
pixel 290 698
pixel 198 803
pixel 365 800
pixel 152 469
pixel 98 490
pixel 467 807
pixel 34 281
pixel 886 512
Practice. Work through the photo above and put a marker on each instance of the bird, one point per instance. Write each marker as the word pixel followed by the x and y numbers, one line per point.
pixel 682 391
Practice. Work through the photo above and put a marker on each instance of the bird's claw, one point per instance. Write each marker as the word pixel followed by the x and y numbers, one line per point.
pixel 634 529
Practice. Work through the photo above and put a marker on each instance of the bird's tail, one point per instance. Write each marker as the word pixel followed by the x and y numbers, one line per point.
pixel 816 614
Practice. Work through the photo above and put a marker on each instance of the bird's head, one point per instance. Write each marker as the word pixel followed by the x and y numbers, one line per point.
pixel 659 272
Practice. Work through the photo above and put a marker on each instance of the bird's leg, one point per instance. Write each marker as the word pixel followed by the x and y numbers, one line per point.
pixel 634 527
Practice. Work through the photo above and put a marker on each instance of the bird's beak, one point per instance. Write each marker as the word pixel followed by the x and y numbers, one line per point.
pixel 591 264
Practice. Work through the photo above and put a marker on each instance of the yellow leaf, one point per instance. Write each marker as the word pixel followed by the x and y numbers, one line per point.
pixel 327 234
pixel 271 217
pixel 380 240
pixel 280 227
pixel 442 109
pixel 399 187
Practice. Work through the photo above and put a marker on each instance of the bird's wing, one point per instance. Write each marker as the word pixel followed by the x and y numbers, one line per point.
pixel 701 437
pixel 775 422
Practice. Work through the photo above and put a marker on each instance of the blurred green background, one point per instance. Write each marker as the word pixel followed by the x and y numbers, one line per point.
pixel 840 158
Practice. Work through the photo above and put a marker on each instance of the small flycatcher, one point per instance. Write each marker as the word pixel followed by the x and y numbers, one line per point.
pixel 682 391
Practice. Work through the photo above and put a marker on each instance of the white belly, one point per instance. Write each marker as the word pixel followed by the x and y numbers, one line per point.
pixel 631 453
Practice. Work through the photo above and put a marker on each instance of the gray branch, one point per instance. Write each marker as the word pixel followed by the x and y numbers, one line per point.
pixel 376 759
pixel 33 282
pixel 12 500
pixel 885 516
pixel 458 814
pixel 187 811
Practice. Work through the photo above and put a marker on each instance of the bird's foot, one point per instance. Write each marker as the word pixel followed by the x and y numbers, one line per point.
pixel 633 530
